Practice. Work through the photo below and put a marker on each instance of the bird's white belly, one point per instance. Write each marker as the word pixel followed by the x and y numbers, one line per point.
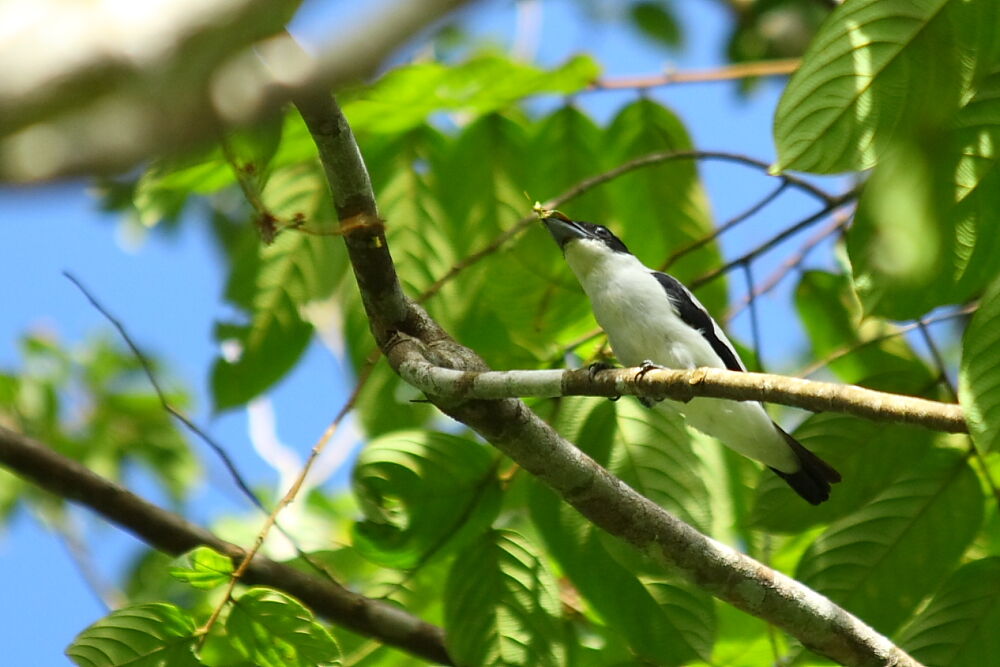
pixel 642 326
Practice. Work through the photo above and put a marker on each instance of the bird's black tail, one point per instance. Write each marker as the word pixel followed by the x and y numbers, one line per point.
pixel 813 478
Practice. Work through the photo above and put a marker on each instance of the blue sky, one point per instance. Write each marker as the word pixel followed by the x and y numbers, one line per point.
pixel 168 292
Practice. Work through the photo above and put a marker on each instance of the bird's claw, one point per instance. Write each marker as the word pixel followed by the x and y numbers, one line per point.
pixel 645 367
pixel 595 368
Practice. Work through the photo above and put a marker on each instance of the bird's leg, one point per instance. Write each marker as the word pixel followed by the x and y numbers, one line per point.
pixel 595 368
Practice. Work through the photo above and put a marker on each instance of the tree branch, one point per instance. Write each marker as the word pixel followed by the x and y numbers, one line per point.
pixel 516 431
pixel 683 385
pixel 172 534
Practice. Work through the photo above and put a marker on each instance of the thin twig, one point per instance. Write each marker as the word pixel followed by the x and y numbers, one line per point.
pixel 724 227
pixel 774 240
pixel 899 331
pixel 285 501
pixel 722 73
pixel 792 263
pixel 177 414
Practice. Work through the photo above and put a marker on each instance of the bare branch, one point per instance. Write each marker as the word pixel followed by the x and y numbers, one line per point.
pixel 409 337
pixel 722 73
pixel 683 385
pixel 172 534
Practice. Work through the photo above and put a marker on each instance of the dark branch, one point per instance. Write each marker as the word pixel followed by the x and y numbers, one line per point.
pixel 172 534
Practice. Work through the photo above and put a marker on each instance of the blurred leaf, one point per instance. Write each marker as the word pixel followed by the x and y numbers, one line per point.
pixel 272 283
pixel 831 314
pixel 979 376
pixel 272 629
pixel 203 567
pixel 899 242
pixel 422 493
pixel 876 71
pixel 656 21
pixel 958 627
pixel 660 209
pixel 148 635
pixel 870 456
pixel 881 561
pixel 406 96
pixel 502 605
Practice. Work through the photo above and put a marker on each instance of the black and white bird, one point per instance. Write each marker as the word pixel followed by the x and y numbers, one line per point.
pixel 650 316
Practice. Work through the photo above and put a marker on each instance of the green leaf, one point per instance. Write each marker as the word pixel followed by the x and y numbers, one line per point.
pixel 958 627
pixel 147 635
pixel 501 604
pixel 831 313
pixel 274 283
pixel 876 71
pixel 870 456
pixel 661 618
pixel 662 208
pixel 881 561
pixel 655 20
pixel 406 96
pixel 899 242
pixel 979 375
pixel 422 493
pixel 203 567
pixel 272 629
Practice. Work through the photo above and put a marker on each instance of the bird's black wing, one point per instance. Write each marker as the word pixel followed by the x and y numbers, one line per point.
pixel 694 315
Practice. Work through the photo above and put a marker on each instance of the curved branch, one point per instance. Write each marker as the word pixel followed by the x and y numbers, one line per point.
pixel 683 385
pixel 172 534
pixel 410 336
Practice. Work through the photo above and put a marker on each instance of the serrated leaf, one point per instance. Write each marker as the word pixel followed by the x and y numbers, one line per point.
pixel 876 71
pixel 870 456
pixel 422 494
pixel 273 282
pixel 272 629
pixel 203 567
pixel 606 573
pixel 502 605
pixel 881 561
pixel 673 633
pixel 406 96
pixel 979 374
pixel 958 627
pixel 148 635
pixel 662 208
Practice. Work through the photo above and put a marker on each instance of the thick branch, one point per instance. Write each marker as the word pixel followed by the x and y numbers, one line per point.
pixel 683 385
pixel 172 534
pixel 412 338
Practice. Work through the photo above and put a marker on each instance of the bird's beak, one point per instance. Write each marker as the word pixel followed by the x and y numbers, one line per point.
pixel 563 229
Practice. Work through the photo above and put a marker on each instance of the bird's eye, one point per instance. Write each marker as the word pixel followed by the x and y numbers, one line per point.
pixel 603 232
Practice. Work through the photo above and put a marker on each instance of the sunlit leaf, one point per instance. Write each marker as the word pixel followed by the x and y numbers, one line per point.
pixel 272 629
pixel 406 96
pixel 422 493
pixel 958 627
pixel 877 70
pixel 203 567
pixel 148 635
pixel 501 604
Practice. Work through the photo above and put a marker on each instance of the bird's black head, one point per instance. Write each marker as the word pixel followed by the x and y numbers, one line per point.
pixel 564 231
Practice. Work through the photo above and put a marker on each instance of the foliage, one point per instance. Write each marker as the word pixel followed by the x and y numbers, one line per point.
pixel 902 94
